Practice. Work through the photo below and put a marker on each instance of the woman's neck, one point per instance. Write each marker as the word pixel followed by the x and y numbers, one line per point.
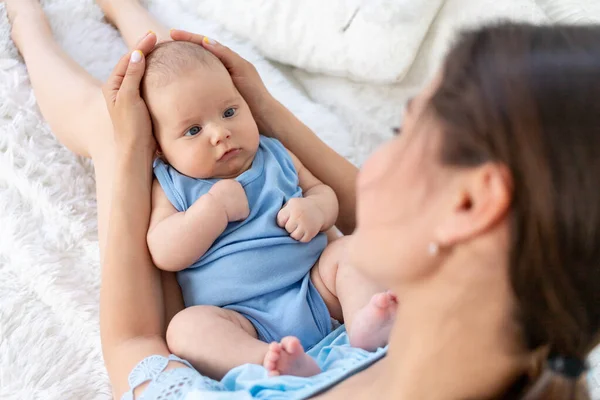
pixel 454 336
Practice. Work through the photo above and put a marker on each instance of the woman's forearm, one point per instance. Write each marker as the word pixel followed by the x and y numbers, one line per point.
pixel 131 301
pixel 328 166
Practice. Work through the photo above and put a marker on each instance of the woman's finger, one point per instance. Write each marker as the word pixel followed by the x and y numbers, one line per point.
pixel 137 65
pixel 113 83
pixel 228 57
pixel 186 36
pixel 115 80
pixel 147 43
pixel 133 75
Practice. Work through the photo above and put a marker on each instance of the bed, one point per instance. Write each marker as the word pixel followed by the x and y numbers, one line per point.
pixel 342 66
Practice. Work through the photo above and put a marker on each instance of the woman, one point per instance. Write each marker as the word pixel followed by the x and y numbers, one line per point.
pixel 483 216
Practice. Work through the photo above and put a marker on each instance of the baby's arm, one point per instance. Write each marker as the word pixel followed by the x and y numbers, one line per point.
pixel 177 239
pixel 316 212
pixel 323 196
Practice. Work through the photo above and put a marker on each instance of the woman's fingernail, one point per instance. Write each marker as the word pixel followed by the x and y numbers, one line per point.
pixel 136 56
pixel 208 40
pixel 150 32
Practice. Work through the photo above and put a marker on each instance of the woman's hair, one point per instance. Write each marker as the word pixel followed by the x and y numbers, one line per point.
pixel 528 97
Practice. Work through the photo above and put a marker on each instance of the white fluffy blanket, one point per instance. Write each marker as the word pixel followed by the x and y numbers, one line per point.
pixel 49 270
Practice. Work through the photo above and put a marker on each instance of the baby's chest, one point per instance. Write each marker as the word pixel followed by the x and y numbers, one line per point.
pixel 268 197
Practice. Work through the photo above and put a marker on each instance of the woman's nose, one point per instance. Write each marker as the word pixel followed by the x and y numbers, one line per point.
pixel 219 134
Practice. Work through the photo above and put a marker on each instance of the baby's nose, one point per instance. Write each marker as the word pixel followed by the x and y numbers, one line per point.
pixel 219 134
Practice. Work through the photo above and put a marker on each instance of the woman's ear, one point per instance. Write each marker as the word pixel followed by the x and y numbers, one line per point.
pixel 483 198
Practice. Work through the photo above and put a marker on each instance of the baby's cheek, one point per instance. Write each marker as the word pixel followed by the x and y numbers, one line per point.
pixel 196 164
pixel 254 139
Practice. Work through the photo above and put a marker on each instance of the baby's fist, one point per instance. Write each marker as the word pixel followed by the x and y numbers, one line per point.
pixel 231 195
pixel 301 218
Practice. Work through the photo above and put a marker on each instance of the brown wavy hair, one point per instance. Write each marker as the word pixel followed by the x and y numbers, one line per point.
pixel 528 97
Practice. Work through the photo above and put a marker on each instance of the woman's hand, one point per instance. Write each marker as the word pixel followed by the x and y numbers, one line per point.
pixel 127 109
pixel 243 73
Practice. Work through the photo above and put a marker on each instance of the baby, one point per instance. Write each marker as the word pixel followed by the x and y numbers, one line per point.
pixel 241 220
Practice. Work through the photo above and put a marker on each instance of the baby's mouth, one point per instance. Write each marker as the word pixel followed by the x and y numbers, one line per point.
pixel 229 154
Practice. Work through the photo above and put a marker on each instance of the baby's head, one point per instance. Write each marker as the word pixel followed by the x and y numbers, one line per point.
pixel 202 124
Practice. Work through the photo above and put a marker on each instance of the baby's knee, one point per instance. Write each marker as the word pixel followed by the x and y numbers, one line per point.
pixel 176 333
pixel 183 329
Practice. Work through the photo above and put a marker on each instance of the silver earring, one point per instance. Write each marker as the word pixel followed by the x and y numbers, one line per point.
pixel 433 249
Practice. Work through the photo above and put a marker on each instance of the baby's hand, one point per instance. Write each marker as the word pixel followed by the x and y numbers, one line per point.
pixel 302 218
pixel 231 195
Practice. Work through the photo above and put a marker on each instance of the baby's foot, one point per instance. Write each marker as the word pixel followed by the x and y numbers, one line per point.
pixel 373 323
pixel 289 358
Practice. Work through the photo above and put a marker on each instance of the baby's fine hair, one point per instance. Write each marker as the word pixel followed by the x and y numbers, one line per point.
pixel 169 59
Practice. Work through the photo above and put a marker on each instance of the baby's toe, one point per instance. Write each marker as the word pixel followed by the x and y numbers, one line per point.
pixel 291 345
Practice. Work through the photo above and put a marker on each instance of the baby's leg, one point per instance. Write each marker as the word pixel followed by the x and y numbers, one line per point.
pixel 288 356
pixel 132 20
pixel 214 340
pixel 367 309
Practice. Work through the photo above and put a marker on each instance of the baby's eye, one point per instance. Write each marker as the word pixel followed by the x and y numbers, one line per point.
pixel 193 131
pixel 230 112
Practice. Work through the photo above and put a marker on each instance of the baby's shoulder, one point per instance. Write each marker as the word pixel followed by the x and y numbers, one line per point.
pixel 279 152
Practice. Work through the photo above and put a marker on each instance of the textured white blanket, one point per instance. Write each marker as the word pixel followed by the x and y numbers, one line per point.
pixel 49 272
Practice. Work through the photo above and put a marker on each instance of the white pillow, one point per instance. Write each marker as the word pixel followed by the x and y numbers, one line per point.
pixel 571 11
pixel 364 40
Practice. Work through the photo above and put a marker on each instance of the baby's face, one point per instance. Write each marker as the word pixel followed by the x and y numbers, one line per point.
pixel 203 126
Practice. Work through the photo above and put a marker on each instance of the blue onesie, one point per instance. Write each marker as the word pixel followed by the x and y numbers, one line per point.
pixel 255 267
